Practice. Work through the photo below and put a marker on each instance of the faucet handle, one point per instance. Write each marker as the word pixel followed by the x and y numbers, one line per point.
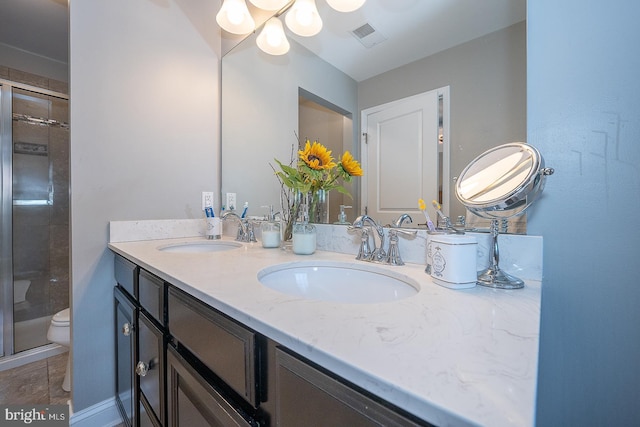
pixel 393 257
pixel 240 234
pixel 365 252
pixel 406 233
pixel 250 235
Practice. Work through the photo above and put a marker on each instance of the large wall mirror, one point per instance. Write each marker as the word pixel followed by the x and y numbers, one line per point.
pixel 263 98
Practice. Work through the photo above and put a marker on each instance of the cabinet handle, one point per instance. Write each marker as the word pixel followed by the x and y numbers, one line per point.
pixel 142 369
pixel 127 329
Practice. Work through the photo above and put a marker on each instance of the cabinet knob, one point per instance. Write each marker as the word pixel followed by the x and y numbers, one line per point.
pixel 142 369
pixel 127 329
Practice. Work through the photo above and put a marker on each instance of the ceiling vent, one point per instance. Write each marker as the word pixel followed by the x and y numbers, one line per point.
pixel 368 36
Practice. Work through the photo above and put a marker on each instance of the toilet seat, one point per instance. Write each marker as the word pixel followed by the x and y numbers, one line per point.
pixel 61 318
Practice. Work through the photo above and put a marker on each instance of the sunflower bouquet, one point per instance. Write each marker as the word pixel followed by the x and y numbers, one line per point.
pixel 315 170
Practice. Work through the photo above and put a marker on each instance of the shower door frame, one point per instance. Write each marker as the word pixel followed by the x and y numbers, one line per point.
pixel 7 347
pixel 6 219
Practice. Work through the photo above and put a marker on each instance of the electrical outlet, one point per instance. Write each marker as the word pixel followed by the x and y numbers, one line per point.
pixel 231 201
pixel 207 199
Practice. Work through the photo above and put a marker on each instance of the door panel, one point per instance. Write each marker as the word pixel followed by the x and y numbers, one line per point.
pixel 401 154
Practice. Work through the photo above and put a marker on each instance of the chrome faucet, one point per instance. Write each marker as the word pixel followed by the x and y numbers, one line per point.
pixel 245 227
pixel 404 217
pixel 378 253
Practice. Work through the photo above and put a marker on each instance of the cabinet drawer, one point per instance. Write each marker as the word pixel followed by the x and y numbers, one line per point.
pixel 194 402
pixel 326 401
pixel 151 295
pixel 150 367
pixel 126 274
pixel 228 349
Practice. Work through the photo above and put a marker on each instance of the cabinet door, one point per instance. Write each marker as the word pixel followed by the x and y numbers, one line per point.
pixel 306 396
pixel 125 331
pixel 193 402
pixel 150 368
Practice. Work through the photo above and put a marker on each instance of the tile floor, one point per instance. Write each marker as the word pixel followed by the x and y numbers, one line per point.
pixel 36 383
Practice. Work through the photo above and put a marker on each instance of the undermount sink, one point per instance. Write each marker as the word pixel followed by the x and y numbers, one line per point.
pixel 199 247
pixel 338 281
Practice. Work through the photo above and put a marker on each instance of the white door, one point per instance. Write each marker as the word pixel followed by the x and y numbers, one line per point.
pixel 406 156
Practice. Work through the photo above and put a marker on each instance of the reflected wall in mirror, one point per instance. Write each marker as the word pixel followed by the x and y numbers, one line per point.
pixel 333 127
pixel 486 76
pixel 261 98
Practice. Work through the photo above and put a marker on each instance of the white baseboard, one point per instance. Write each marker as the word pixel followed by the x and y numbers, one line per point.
pixel 103 414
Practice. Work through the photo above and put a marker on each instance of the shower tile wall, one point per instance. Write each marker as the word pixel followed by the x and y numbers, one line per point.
pixel 41 232
pixel 18 76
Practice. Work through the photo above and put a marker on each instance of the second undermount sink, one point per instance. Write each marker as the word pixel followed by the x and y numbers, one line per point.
pixel 199 247
pixel 338 281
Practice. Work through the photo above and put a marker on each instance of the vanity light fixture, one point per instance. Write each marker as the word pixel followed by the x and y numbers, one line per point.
pixel 303 18
pixel 272 39
pixel 235 18
pixel 345 5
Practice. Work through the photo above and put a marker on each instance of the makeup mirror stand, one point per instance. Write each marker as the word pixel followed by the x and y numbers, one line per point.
pixel 493 276
pixel 501 183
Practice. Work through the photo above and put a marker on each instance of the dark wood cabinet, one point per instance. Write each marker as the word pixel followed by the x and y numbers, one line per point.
pixel 125 343
pixel 199 367
pixel 193 401
pixel 150 370
pixel 308 396
pixel 224 346
pixel 140 345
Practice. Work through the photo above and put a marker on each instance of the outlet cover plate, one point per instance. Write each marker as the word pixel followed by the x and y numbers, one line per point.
pixel 231 202
pixel 207 199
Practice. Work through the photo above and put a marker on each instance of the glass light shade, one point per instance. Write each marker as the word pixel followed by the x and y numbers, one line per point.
pixel 235 18
pixel 346 5
pixel 269 4
pixel 272 39
pixel 303 18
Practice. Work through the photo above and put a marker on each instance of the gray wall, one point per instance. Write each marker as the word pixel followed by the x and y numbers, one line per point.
pixel 487 77
pixel 34 64
pixel 260 114
pixel 144 144
pixel 584 116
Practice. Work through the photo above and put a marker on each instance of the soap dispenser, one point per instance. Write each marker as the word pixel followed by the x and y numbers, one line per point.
pixel 304 234
pixel 270 231
pixel 342 217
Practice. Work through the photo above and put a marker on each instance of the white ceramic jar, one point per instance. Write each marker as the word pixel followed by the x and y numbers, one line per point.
pixel 453 260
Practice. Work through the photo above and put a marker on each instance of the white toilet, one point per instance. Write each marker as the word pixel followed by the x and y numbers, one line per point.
pixel 60 333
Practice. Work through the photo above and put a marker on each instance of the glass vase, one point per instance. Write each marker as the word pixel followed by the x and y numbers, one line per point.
pixel 318 206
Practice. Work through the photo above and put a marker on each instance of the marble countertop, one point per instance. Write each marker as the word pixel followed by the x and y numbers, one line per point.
pixel 450 357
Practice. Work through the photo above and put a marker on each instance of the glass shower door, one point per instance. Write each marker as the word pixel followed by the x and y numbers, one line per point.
pixel 35 220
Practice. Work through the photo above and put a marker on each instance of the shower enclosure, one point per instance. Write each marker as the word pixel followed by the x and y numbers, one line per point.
pixel 34 207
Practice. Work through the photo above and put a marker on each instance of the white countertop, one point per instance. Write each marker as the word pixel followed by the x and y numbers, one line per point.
pixel 451 357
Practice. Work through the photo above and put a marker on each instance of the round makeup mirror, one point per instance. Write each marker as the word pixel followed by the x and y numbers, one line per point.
pixel 501 183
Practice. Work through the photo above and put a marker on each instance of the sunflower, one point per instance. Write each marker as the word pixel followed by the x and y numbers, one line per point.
pixel 316 156
pixel 350 165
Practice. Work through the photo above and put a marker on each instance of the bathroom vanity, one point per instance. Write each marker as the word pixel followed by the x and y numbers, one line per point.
pixel 233 351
